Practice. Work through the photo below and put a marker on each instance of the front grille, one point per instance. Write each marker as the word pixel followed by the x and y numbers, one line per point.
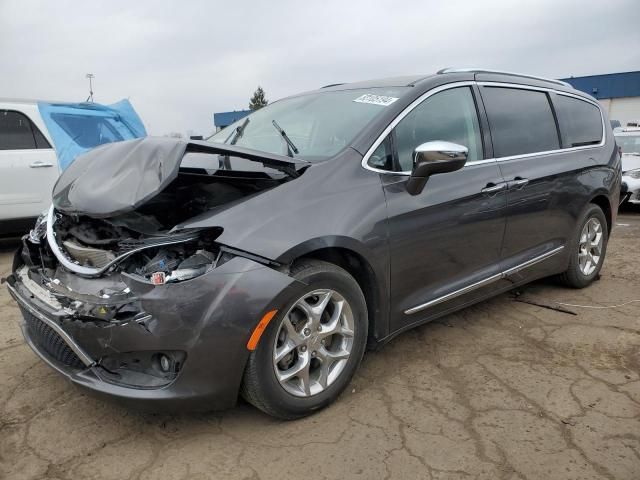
pixel 49 341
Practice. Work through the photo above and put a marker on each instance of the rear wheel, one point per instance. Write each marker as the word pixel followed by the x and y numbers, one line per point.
pixel 588 249
pixel 311 349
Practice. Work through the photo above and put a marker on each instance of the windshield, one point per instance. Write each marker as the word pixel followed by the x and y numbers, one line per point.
pixel 316 126
pixel 629 143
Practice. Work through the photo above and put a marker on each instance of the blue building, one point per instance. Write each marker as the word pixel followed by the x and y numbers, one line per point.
pixel 619 93
pixel 224 119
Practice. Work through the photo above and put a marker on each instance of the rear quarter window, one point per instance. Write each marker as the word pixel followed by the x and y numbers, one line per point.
pixel 580 121
pixel 521 121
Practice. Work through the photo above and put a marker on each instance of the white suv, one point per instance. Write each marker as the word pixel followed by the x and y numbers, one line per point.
pixel 39 139
pixel 628 139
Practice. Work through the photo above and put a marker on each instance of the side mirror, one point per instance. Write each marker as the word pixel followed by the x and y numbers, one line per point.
pixel 434 157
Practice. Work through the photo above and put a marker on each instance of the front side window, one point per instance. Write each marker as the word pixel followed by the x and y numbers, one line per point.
pixel 382 157
pixel 580 121
pixel 319 124
pixel 449 115
pixel 521 121
pixel 18 133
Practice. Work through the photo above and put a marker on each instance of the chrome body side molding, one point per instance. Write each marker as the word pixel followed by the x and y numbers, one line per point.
pixel 486 281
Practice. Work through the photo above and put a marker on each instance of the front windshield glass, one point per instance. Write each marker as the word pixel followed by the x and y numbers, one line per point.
pixel 629 143
pixel 318 124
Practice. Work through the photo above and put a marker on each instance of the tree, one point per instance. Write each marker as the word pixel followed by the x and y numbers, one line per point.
pixel 258 101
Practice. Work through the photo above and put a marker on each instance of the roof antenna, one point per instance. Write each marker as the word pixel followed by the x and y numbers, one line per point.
pixel 90 76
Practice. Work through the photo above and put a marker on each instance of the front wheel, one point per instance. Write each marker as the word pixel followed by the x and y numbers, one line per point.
pixel 588 249
pixel 312 348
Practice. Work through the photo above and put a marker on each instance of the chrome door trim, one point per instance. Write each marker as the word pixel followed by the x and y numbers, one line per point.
pixel 486 281
pixel 448 86
pixel 558 92
pixel 457 293
pixel 533 261
pixel 397 120
pixel 77 349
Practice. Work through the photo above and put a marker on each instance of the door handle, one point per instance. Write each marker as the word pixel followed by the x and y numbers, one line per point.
pixel 518 182
pixel 494 188
pixel 40 164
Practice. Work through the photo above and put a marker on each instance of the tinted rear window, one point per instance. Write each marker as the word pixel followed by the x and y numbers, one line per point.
pixel 521 121
pixel 580 121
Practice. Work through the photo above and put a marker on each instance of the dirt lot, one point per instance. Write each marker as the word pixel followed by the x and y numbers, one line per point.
pixel 502 390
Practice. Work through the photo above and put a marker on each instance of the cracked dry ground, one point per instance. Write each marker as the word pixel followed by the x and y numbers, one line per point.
pixel 501 390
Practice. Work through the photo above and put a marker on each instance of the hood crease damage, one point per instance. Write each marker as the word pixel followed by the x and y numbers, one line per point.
pixel 115 210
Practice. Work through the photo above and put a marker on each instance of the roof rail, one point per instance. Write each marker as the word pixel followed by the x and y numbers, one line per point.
pixel 332 85
pixel 486 70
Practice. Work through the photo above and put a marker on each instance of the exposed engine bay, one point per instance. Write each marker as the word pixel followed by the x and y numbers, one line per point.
pixel 115 221
pixel 139 242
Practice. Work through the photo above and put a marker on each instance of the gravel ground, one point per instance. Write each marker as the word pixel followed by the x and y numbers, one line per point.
pixel 501 390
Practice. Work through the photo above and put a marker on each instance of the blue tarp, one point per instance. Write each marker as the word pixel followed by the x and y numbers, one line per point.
pixel 78 127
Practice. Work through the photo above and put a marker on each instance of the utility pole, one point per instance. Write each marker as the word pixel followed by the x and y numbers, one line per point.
pixel 90 76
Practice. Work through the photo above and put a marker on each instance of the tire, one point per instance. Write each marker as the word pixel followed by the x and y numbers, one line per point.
pixel 325 283
pixel 576 276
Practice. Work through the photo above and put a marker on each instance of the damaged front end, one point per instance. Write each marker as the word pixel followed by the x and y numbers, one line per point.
pixel 124 305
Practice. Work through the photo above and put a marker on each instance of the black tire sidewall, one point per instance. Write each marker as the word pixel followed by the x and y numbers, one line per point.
pixel 278 398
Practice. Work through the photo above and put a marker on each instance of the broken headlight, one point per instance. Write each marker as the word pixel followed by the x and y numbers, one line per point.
pixel 168 266
pixel 36 234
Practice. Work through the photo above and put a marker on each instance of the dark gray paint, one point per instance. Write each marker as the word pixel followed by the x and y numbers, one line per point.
pixel 417 248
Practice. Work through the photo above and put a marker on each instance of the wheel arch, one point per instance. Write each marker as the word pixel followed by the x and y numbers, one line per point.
pixel 602 201
pixel 361 269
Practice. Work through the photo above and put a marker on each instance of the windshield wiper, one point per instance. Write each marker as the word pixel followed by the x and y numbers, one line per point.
pixel 237 132
pixel 291 148
pixel 223 160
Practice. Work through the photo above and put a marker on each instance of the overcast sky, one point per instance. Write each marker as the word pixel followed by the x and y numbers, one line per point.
pixel 178 62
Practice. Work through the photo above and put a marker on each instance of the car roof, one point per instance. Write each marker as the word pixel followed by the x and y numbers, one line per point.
pixel 479 74
pixel 400 81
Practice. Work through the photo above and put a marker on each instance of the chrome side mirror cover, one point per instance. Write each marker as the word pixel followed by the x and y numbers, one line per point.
pixel 432 158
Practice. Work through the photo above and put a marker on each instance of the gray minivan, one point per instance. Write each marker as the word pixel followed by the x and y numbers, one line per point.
pixel 264 261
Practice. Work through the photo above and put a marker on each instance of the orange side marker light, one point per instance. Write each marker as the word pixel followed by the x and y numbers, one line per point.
pixel 259 330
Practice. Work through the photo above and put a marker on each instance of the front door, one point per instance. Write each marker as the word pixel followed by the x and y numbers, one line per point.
pixel 444 242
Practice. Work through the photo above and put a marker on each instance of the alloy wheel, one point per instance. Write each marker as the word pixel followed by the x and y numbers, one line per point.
pixel 590 246
pixel 314 342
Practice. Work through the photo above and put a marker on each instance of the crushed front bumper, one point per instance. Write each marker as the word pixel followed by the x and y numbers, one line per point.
pixel 209 319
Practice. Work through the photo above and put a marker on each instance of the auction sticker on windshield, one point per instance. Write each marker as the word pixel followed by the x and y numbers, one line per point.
pixel 375 99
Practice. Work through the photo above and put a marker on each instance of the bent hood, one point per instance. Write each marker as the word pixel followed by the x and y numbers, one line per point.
pixel 117 178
